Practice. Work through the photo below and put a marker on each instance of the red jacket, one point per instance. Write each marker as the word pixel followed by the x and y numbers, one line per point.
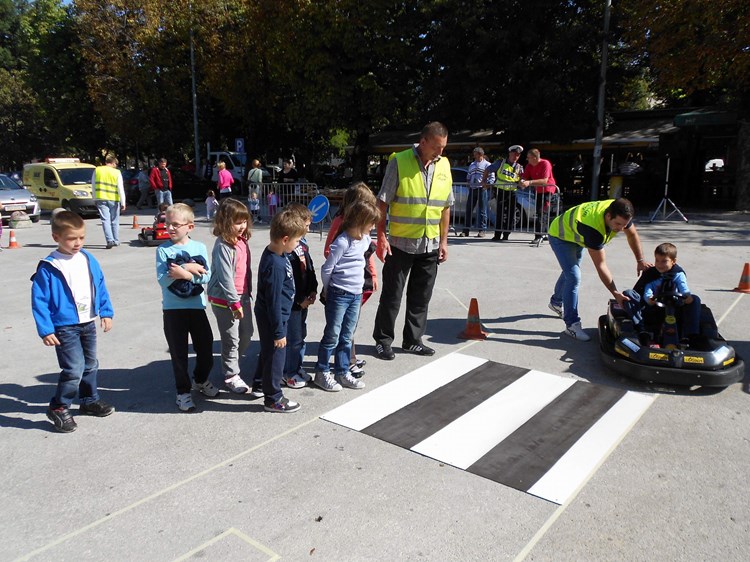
pixel 154 178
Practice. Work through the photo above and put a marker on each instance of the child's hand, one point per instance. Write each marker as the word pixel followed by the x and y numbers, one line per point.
pixel 374 284
pixel 106 324
pixel 177 272
pixel 279 343
pixel 194 268
pixel 311 298
pixel 238 314
pixel 51 340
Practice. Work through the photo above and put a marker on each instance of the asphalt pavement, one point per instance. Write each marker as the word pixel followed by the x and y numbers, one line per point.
pixel 231 482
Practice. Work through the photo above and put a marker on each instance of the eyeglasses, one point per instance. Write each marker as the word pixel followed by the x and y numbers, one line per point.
pixel 175 225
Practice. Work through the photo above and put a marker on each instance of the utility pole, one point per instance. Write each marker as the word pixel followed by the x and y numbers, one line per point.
pixel 195 103
pixel 595 169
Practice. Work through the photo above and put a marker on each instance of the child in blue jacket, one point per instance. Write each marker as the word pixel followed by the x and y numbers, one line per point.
pixel 67 294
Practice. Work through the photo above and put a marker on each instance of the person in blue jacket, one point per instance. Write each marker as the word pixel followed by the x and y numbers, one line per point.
pixel 68 293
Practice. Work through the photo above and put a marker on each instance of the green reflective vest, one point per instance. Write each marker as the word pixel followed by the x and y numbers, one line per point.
pixel 507 177
pixel 412 214
pixel 591 214
pixel 105 179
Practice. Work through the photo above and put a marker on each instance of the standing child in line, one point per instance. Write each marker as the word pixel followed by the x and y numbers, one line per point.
pixel 161 215
pixel 343 276
pixel 273 305
pixel 306 289
pixel 67 294
pixel 212 205
pixel 181 269
pixel 230 289
pixel 356 192
pixel 254 204
pixel 273 202
pixel 225 180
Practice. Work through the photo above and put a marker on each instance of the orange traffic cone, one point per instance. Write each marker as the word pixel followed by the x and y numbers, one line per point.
pixel 135 223
pixel 13 245
pixel 473 329
pixel 743 287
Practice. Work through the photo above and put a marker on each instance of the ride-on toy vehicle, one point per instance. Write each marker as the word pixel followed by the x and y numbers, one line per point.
pixel 153 236
pixel 664 355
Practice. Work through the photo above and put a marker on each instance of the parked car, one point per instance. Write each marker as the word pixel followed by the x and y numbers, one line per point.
pixel 185 185
pixel 15 198
pixel 460 191
pixel 130 181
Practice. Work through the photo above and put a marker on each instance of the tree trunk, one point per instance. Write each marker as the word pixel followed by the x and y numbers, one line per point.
pixel 742 201
pixel 360 155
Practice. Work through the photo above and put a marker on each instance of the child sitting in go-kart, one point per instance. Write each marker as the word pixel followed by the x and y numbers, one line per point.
pixel 666 278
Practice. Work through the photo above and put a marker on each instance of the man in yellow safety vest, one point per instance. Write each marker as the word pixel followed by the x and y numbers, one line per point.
pixel 109 193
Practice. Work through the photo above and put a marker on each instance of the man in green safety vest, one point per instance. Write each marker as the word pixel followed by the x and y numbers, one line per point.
pixel 592 226
pixel 416 193
pixel 109 193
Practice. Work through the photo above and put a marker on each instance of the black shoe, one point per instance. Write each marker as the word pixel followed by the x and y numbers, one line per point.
pixel 100 409
pixel 506 237
pixel 497 238
pixel 64 422
pixel 384 352
pixel 418 349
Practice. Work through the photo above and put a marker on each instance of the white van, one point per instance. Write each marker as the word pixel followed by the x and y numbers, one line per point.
pixel 61 182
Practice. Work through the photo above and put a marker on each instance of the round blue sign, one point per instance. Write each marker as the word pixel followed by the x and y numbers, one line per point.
pixel 319 208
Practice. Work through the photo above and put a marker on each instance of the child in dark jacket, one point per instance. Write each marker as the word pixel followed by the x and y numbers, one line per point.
pixel 306 290
pixel 67 294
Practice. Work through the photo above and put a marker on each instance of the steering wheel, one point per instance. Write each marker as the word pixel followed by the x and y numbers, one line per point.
pixel 674 298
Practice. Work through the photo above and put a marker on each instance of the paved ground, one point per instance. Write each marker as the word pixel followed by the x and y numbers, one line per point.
pixel 233 483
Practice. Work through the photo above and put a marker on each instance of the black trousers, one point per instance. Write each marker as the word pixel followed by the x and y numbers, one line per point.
pixel 421 270
pixel 178 325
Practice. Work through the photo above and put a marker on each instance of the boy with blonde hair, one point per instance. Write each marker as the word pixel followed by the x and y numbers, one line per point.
pixel 182 269
pixel 67 294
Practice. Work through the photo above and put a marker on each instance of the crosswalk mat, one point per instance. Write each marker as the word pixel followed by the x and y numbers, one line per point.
pixel 539 433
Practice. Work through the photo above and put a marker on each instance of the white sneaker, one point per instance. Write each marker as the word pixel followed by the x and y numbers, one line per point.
pixel 185 402
pixel 296 381
pixel 348 381
pixel 326 381
pixel 237 385
pixel 206 388
pixel 576 332
pixel 556 309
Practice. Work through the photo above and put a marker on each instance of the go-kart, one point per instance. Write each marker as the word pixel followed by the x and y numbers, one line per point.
pixel 153 236
pixel 660 354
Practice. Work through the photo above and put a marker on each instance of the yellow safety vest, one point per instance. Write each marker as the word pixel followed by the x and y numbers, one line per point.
pixel 412 214
pixel 565 226
pixel 106 183
pixel 507 177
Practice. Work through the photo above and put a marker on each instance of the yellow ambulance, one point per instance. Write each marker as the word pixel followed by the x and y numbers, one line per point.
pixel 61 182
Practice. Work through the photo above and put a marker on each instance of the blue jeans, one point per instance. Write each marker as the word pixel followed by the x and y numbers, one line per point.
pixel 109 212
pixel 76 355
pixel 296 332
pixel 481 198
pixel 163 196
pixel 569 256
pixel 342 313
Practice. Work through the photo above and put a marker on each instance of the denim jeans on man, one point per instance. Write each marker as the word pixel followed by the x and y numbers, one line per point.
pixel 296 332
pixel 76 355
pixel 109 212
pixel 569 256
pixel 342 313
pixel 164 196
pixel 480 198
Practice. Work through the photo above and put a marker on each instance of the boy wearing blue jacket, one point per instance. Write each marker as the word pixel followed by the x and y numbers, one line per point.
pixel 67 294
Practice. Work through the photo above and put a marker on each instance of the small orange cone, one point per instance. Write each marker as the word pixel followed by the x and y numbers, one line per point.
pixel 13 244
pixel 135 223
pixel 743 287
pixel 473 329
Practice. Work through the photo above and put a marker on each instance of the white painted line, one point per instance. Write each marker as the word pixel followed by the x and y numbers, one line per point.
pixel 160 493
pixel 724 316
pixel 393 396
pixel 457 299
pixel 465 440
pixel 581 459
pixel 242 536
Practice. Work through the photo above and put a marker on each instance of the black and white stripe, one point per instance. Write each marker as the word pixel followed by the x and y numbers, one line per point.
pixel 539 433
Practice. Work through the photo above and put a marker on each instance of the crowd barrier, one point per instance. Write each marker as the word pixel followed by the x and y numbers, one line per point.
pixel 286 193
pixel 513 210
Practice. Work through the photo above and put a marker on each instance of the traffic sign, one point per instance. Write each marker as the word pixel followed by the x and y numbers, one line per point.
pixel 319 208
pixel 239 145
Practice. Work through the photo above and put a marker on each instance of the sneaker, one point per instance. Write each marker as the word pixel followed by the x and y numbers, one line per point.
pixel 296 381
pixel 355 371
pixel 100 409
pixel 256 393
pixel 283 406
pixel 348 381
pixel 480 235
pixel 360 363
pixel 557 309
pixel 185 402
pixel 497 237
pixel 418 349
pixel 64 422
pixel 206 388
pixel 576 332
pixel 326 381
pixel 237 385
pixel 385 352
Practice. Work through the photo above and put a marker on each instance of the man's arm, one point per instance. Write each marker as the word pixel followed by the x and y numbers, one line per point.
pixel 634 242
pixel 383 246
pixel 445 223
pixel 600 263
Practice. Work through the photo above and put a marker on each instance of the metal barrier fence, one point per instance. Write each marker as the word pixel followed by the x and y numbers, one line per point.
pixel 284 193
pixel 508 211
